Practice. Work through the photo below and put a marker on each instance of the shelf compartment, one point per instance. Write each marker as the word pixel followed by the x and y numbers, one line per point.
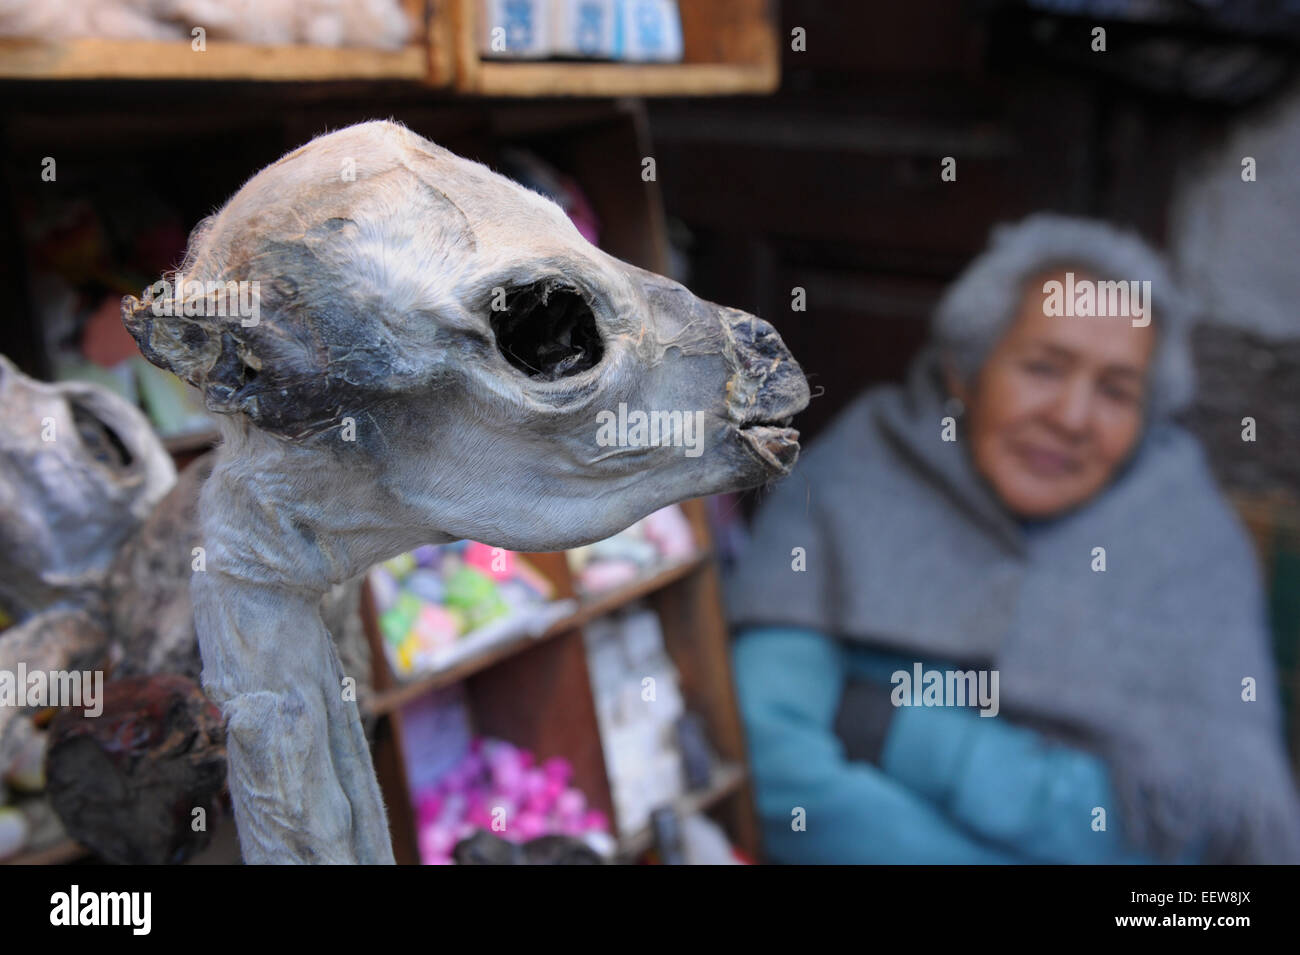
pixel 423 60
pixel 387 700
pixel 729 47
pixel 728 779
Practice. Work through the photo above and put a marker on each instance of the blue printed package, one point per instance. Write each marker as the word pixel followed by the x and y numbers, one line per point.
pixel 651 31
pixel 586 28
pixel 514 29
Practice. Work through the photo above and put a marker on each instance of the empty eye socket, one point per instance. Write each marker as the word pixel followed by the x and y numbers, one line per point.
pixel 101 441
pixel 547 331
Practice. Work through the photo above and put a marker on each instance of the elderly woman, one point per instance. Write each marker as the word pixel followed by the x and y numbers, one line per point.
pixel 1021 529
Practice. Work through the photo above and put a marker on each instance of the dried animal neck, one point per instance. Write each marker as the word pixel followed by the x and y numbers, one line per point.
pixel 301 778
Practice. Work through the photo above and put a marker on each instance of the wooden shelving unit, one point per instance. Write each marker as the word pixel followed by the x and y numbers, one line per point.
pixel 387 701
pixel 536 693
pixel 730 47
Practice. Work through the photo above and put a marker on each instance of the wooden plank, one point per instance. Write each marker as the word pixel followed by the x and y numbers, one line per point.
pixel 389 757
pixel 441 39
pixel 84 59
pixel 493 78
pixel 464 27
pixel 729 31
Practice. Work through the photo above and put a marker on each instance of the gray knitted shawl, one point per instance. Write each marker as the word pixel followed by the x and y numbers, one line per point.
pixel 908 549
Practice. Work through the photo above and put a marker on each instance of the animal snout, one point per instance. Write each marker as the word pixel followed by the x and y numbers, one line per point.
pixel 768 386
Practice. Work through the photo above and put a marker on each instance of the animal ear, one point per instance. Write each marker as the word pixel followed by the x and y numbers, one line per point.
pixel 247 345
pixel 295 354
pixel 175 324
pixel 179 326
pixel 169 340
pixel 266 361
pixel 301 304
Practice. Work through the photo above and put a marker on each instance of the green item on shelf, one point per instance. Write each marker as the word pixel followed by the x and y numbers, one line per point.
pixel 474 593
pixel 396 622
pixel 408 605
pixel 393 627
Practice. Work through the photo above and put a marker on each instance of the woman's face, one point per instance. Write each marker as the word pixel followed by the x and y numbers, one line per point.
pixel 1057 406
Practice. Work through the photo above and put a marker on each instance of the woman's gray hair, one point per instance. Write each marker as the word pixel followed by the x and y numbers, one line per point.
pixel 977 308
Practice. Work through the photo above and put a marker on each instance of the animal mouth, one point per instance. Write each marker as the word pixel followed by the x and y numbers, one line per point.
pixel 775 442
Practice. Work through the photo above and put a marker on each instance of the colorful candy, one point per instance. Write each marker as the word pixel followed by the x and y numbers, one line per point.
pixel 432 596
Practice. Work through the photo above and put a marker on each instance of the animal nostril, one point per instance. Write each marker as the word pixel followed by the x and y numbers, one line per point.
pixel 750 329
pixel 759 344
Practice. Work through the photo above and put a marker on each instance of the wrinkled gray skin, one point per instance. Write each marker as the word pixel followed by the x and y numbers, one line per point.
pixel 66 505
pixel 376 306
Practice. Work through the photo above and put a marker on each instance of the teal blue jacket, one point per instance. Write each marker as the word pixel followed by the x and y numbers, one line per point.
pixel 951 787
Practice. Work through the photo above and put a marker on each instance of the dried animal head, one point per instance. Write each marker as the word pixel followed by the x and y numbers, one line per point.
pixel 472 337
pixel 80 468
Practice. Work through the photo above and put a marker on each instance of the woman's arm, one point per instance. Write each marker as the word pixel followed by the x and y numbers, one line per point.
pixel 1009 784
pixel 789 682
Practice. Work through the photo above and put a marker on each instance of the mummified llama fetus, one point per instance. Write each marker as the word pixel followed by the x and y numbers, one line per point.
pixel 429 350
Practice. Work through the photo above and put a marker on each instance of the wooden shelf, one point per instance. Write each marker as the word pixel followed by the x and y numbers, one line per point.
pixel 729 47
pixel 615 79
pixel 96 59
pixel 388 700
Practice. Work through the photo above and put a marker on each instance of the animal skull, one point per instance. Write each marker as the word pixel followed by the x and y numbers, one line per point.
pixel 422 354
